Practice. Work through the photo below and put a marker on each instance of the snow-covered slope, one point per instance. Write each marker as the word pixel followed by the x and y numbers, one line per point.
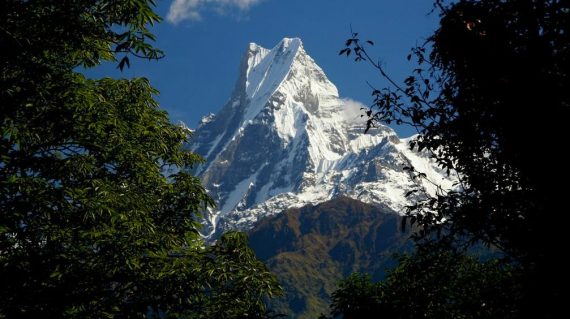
pixel 284 140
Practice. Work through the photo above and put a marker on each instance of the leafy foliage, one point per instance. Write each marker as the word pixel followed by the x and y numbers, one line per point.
pixel 98 210
pixel 432 284
pixel 488 97
pixel 358 297
pixel 241 283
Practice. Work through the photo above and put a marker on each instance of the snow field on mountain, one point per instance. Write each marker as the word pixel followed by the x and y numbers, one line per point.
pixel 285 140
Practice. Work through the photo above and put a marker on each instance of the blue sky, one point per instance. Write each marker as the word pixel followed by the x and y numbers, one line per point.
pixel 205 39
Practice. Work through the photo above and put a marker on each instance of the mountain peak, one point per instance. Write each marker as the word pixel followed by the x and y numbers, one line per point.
pixel 265 71
pixel 283 140
pixel 284 44
pixel 254 48
pixel 285 51
pixel 293 43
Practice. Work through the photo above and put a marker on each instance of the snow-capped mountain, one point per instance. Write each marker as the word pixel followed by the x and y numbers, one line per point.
pixel 286 139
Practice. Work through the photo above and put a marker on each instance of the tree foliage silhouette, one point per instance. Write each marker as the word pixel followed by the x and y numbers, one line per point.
pixel 490 100
pixel 98 211
pixel 432 284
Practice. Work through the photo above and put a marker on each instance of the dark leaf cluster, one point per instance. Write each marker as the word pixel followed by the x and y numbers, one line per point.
pixel 98 213
pixel 432 284
pixel 489 98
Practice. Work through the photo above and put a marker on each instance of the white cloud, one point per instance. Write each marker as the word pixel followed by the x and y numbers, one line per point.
pixel 354 112
pixel 181 10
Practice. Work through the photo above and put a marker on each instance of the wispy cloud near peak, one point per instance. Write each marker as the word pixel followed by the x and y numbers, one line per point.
pixel 181 10
pixel 353 111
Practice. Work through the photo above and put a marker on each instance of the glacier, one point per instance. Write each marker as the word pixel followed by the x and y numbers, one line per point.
pixel 284 140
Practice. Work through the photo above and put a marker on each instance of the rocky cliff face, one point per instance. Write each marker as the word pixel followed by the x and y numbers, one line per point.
pixel 285 139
